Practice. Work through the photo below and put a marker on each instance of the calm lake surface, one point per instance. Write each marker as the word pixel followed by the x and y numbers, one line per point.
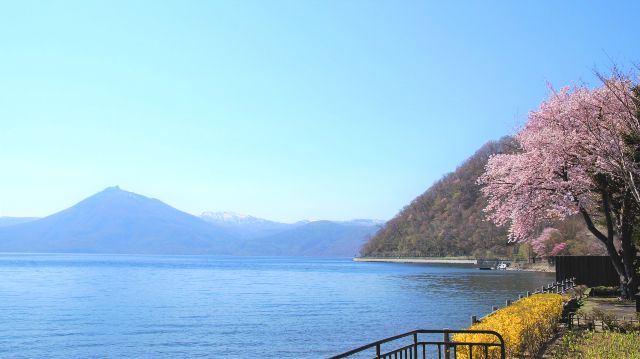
pixel 98 306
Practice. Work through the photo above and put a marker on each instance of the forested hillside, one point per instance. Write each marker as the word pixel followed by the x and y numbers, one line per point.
pixel 448 219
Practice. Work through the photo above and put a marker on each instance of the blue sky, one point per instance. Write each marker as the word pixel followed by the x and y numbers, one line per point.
pixel 280 109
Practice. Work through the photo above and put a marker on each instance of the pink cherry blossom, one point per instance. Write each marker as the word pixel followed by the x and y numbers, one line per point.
pixel 558 249
pixel 579 153
pixel 549 243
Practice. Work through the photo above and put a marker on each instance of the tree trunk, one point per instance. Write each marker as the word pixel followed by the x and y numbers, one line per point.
pixel 630 285
pixel 623 264
pixel 630 288
pixel 620 269
pixel 628 251
pixel 628 274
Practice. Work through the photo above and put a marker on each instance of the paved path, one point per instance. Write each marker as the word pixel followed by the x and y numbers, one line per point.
pixel 619 308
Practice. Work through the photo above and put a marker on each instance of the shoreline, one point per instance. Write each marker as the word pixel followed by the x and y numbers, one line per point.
pixel 416 260
pixel 520 267
pixel 533 267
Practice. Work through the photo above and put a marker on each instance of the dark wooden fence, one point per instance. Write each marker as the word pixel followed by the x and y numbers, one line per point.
pixel 592 271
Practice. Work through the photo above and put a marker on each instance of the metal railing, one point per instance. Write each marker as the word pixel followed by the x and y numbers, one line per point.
pixel 446 348
pixel 554 287
pixel 601 323
pixel 558 287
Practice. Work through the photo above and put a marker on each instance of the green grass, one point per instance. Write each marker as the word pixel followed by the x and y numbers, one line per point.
pixel 591 345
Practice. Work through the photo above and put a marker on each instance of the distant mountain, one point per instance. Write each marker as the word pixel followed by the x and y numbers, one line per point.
pixel 117 221
pixel 10 221
pixel 245 226
pixel 447 219
pixel 231 218
pixel 317 238
pixel 302 238
pixel 364 222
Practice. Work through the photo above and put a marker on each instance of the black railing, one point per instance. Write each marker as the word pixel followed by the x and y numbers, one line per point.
pixel 555 287
pixel 447 348
pixel 560 286
pixel 601 322
pixel 422 345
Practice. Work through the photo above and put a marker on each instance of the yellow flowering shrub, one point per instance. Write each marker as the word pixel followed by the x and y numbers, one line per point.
pixel 525 326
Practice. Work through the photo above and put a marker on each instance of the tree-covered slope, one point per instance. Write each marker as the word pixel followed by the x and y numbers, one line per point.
pixel 447 219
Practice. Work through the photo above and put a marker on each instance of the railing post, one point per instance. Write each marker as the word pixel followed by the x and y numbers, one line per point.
pixel 447 351
pixel 448 344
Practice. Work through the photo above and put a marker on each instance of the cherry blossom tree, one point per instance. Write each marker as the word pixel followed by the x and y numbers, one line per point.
pixel 578 155
pixel 550 243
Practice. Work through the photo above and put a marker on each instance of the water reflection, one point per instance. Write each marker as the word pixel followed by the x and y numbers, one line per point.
pixel 190 306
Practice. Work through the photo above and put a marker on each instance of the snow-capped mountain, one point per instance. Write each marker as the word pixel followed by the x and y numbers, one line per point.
pixel 119 221
pixel 243 225
pixel 231 217
pixel 305 237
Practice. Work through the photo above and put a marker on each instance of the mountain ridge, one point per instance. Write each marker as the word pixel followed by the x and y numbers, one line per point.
pixel 12 221
pixel 107 222
pixel 117 221
pixel 326 238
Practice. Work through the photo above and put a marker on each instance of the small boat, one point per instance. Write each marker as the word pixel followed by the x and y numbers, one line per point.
pixel 485 268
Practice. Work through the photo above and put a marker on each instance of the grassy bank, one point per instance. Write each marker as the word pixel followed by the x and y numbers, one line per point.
pixel 606 345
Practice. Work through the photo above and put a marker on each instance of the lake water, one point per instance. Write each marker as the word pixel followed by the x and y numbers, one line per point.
pixel 95 306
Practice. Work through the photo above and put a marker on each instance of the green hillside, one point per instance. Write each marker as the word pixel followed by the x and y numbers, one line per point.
pixel 447 219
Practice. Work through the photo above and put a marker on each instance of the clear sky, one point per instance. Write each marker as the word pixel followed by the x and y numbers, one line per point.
pixel 280 109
